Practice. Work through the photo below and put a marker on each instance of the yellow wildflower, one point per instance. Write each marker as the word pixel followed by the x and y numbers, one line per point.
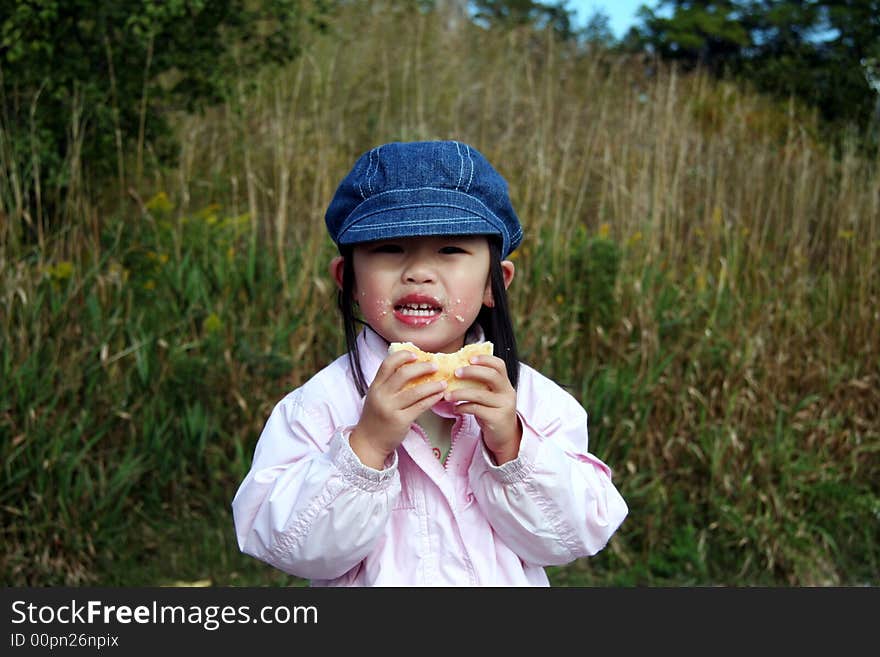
pixel 159 203
pixel 209 213
pixel 213 323
pixel 61 271
pixel 635 238
pixel 240 220
pixel 117 272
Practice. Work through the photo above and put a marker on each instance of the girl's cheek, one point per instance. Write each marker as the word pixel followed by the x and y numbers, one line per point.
pixel 373 308
pixel 381 307
pixel 457 311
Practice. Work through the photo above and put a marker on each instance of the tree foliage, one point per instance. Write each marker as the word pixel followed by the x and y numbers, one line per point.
pixel 511 13
pixel 98 77
pixel 820 51
pixel 709 34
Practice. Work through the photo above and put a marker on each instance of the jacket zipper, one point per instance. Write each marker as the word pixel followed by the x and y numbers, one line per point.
pixel 456 430
pixel 424 436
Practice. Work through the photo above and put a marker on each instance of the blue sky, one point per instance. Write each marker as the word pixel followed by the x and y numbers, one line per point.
pixel 622 12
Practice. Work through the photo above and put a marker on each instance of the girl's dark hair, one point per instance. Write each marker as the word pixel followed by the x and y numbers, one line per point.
pixel 496 323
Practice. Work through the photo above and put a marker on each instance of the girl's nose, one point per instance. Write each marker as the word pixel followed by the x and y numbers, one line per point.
pixel 418 272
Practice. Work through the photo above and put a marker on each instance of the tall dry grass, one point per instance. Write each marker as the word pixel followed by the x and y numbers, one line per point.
pixel 726 344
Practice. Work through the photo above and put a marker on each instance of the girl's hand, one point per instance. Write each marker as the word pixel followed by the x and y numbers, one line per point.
pixel 494 409
pixel 389 410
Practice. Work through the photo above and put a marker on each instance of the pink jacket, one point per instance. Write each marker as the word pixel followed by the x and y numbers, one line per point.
pixel 309 507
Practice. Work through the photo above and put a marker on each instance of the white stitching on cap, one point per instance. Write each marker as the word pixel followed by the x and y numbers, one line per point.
pixel 465 219
pixel 370 176
pixel 460 166
pixel 470 180
pixel 361 187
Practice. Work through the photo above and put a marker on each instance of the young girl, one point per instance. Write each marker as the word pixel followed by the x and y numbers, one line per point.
pixel 359 479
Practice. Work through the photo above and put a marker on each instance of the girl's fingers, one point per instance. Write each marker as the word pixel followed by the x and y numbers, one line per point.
pixel 492 362
pixel 494 377
pixel 399 368
pixel 469 409
pixel 391 364
pixel 485 398
pixel 411 371
pixel 482 412
pixel 477 373
pixel 423 404
pixel 413 395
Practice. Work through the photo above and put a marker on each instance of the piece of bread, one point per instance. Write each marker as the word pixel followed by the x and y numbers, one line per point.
pixel 446 363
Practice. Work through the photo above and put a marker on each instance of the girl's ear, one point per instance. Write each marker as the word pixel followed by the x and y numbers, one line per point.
pixel 508 271
pixel 337 266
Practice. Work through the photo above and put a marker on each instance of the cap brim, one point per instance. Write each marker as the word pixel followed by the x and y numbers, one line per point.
pixel 408 213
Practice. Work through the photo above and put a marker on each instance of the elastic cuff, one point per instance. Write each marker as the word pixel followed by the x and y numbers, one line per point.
pixel 517 469
pixel 351 467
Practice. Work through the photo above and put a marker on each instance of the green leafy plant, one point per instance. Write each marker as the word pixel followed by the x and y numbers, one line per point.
pixel 85 84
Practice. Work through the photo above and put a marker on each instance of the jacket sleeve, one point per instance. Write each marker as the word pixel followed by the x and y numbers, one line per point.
pixel 308 506
pixel 555 502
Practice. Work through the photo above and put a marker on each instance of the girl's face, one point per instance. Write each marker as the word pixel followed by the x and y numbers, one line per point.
pixel 424 290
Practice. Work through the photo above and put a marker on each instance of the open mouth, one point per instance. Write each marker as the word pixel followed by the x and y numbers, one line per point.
pixel 418 309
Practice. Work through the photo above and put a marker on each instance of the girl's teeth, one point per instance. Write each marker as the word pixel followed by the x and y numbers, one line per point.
pixel 417 312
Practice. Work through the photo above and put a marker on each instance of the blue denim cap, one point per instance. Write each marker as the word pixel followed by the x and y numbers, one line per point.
pixel 410 189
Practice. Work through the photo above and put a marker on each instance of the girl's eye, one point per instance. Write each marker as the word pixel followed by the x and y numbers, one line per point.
pixel 451 249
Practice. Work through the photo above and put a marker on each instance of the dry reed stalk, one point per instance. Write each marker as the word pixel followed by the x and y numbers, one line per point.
pixel 281 154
